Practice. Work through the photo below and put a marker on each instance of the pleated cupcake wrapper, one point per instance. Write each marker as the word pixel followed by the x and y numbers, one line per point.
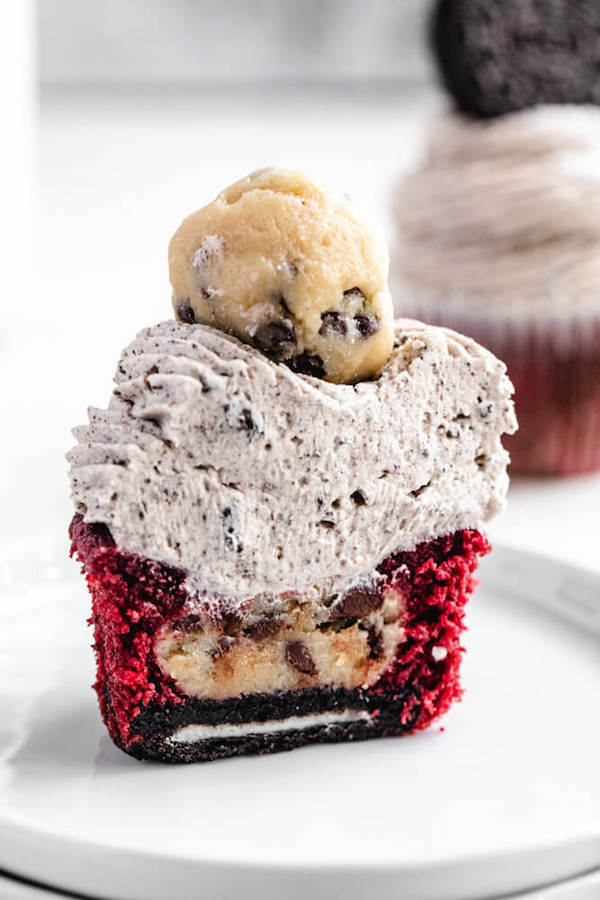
pixel 565 332
pixel 554 364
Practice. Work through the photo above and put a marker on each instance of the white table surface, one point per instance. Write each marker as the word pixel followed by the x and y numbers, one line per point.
pixel 116 175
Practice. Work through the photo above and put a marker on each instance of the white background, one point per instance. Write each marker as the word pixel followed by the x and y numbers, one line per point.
pixel 116 172
pixel 153 42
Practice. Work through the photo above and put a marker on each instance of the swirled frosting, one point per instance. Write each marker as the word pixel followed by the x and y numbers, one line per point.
pixel 503 216
pixel 213 458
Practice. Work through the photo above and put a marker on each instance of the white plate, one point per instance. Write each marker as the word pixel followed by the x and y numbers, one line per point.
pixel 506 798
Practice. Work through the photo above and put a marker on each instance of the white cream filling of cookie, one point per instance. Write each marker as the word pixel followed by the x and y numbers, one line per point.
pixel 191 734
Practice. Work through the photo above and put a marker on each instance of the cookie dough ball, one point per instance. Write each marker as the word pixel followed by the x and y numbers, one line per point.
pixel 500 56
pixel 291 268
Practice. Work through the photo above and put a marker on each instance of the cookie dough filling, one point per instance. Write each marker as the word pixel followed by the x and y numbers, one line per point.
pixel 290 644
pixel 291 268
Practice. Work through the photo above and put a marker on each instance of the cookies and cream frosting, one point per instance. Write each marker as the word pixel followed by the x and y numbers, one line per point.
pixel 215 459
pixel 503 216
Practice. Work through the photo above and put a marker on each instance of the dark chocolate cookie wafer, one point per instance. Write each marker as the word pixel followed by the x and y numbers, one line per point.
pixel 499 56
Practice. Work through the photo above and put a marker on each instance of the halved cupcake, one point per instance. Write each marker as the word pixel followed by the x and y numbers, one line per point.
pixel 274 558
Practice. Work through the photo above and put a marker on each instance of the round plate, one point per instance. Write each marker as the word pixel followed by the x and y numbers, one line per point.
pixel 503 796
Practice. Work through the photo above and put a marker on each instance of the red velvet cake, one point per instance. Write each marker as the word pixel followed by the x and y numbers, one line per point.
pixel 277 557
pixel 142 707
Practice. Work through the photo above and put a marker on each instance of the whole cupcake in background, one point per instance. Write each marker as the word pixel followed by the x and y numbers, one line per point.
pixel 498 229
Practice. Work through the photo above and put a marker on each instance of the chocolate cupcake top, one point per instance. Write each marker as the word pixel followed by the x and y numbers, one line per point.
pixel 503 216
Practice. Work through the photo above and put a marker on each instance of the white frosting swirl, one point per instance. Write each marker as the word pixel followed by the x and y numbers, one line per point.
pixel 212 458
pixel 503 216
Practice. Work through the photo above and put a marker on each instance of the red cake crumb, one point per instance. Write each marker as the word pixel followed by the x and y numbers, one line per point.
pixel 437 580
pixel 133 596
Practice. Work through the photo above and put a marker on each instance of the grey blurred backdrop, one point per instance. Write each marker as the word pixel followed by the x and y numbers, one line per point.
pixel 178 42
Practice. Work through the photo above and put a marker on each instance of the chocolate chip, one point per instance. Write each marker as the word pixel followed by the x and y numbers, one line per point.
pixel 265 627
pixel 375 641
pixel 354 293
pixel 185 312
pixel 187 623
pixel 298 656
pixel 223 646
pixel 305 364
pixel 358 602
pixel 366 325
pixel 358 498
pixel 231 623
pixel 334 323
pixel 276 339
